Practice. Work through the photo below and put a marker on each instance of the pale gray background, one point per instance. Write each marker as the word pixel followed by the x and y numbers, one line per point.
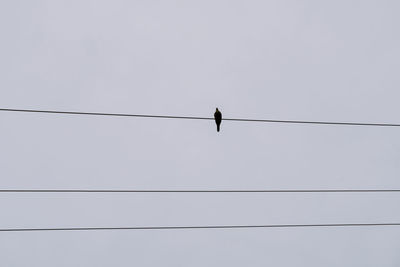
pixel 308 60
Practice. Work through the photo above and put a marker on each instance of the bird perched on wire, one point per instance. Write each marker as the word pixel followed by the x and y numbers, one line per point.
pixel 218 118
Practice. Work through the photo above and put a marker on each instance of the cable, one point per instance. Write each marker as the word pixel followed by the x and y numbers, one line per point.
pixel 200 118
pixel 198 227
pixel 197 191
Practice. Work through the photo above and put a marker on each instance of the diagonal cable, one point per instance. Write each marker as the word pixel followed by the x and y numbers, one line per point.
pixel 200 118
pixel 198 227
pixel 198 191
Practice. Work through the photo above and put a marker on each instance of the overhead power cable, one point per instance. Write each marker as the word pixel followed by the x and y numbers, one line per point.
pixel 197 191
pixel 200 118
pixel 198 227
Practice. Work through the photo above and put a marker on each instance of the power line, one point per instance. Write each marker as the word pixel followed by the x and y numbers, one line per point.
pixel 199 227
pixel 197 191
pixel 200 118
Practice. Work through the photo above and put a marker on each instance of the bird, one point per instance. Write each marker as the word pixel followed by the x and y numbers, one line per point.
pixel 218 118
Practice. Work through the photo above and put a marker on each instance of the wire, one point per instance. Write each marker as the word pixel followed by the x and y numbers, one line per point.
pixel 198 227
pixel 197 191
pixel 201 118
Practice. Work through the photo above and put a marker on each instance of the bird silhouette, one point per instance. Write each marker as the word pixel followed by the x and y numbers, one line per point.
pixel 218 118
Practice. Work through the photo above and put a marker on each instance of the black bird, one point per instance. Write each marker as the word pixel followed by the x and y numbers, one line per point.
pixel 218 118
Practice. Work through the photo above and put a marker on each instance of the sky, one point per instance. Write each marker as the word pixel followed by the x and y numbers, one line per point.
pixel 288 59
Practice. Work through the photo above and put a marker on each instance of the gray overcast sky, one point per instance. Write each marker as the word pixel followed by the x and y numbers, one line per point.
pixel 287 59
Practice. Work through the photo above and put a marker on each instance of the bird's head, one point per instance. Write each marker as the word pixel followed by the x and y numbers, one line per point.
pixel 216 109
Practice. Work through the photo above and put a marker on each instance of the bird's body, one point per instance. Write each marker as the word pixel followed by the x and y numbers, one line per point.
pixel 218 118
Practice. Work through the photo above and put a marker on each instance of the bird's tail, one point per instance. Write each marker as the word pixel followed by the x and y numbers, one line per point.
pixel 217 128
